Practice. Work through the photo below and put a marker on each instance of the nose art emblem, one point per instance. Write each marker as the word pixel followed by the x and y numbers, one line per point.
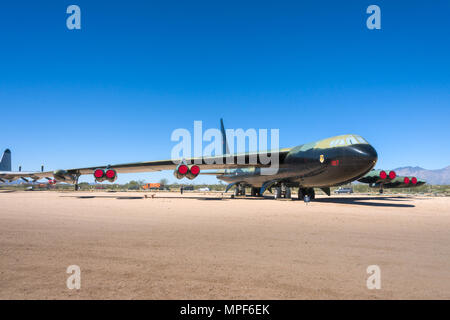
pixel 322 158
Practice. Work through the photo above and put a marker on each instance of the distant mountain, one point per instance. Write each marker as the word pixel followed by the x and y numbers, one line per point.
pixel 439 176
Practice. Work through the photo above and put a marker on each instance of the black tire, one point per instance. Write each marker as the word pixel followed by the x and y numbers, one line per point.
pixel 311 193
pixel 301 194
pixel 277 193
pixel 288 194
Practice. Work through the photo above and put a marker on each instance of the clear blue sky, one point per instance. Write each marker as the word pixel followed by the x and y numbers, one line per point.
pixel 114 91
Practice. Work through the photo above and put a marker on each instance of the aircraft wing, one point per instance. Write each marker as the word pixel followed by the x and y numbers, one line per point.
pixel 378 177
pixel 404 182
pixel 205 163
pixel 218 162
pixel 389 179
pixel 225 161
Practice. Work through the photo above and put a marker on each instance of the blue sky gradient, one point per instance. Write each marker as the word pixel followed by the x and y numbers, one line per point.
pixel 114 91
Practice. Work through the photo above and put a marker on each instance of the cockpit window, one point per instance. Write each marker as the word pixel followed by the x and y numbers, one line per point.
pixel 345 140
pixel 361 140
pixel 338 141
pixel 351 140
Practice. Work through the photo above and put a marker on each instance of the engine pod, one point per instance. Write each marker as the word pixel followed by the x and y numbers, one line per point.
pixel 181 171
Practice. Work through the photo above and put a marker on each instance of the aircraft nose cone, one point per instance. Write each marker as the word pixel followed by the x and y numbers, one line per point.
pixel 363 156
pixel 365 152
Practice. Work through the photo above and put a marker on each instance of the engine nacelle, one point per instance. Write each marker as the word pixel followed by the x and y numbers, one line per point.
pixel 193 172
pixel 387 175
pixel 181 171
pixel 392 175
pixel 111 175
pixel 99 175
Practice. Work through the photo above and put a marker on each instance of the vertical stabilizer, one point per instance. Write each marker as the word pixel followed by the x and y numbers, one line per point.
pixel 5 163
pixel 225 149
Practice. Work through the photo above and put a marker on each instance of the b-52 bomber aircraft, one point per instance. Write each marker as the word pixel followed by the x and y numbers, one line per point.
pixel 322 164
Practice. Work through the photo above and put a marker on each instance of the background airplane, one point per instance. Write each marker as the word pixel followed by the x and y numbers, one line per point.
pixel 6 175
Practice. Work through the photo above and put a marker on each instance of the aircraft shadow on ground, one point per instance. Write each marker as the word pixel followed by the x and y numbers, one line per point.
pixel 7 191
pixel 374 201
pixel 149 197
pixel 105 197
pixel 143 197
pixel 363 201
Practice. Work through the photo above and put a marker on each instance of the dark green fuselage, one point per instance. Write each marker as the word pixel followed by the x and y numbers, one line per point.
pixel 318 164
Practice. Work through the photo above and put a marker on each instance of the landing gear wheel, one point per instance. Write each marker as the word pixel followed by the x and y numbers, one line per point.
pixel 77 187
pixel 258 192
pixel 301 194
pixel 311 193
pixel 306 192
pixel 255 192
pixel 239 190
pixel 277 193
pixel 287 193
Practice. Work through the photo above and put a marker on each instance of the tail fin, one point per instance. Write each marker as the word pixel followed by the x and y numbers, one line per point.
pixel 225 149
pixel 5 163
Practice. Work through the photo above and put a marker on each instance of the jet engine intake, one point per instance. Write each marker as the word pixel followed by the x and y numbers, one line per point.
pixel 111 175
pixel 181 171
pixel 99 175
pixel 193 172
pixel 392 175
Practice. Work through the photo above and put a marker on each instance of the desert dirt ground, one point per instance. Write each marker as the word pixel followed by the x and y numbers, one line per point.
pixel 200 246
